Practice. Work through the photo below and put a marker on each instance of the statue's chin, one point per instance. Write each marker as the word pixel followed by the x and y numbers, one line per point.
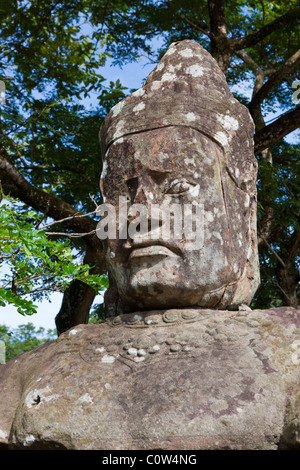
pixel 167 282
pixel 158 295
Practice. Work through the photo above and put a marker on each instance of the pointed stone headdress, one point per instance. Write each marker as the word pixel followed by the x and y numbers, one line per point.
pixel 187 88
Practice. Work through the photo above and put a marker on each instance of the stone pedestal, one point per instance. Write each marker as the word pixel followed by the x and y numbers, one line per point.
pixel 174 379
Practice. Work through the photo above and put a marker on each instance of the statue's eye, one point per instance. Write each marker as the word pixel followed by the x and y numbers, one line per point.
pixel 178 187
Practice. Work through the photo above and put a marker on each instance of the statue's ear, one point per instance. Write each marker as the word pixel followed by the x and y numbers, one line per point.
pixel 112 301
pixel 250 279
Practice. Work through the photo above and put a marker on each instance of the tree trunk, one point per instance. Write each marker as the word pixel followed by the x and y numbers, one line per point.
pixel 78 297
pixel 220 43
pixel 288 282
pixel 287 276
pixel 75 308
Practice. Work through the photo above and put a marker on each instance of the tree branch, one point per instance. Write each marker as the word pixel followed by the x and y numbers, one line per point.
pixel 201 28
pixel 274 253
pixel 286 273
pixel 71 235
pixel 249 61
pixel 217 17
pixel 270 134
pixel 253 38
pixel 79 215
pixel 259 80
pixel 293 247
pixel 274 80
pixel 259 73
pixel 221 49
pixel 15 184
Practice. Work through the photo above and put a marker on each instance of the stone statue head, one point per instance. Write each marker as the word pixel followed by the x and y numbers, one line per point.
pixel 181 141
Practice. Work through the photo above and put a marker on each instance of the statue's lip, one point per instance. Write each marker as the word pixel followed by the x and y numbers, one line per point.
pixel 154 248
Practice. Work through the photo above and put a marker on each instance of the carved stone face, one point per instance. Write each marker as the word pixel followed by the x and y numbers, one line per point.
pixel 181 166
pixel 161 150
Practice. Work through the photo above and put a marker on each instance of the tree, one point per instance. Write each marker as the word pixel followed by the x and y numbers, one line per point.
pixel 52 54
pixel 49 157
pixel 24 338
pixel 35 264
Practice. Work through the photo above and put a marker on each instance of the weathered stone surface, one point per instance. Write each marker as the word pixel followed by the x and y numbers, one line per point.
pixel 183 138
pixel 173 379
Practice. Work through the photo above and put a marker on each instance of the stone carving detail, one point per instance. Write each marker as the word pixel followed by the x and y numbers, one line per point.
pixel 148 340
pixel 183 138
pixel 223 380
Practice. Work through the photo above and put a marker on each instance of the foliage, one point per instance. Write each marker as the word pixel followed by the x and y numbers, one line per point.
pixel 34 263
pixel 279 189
pixel 24 338
pixel 97 314
pixel 51 63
